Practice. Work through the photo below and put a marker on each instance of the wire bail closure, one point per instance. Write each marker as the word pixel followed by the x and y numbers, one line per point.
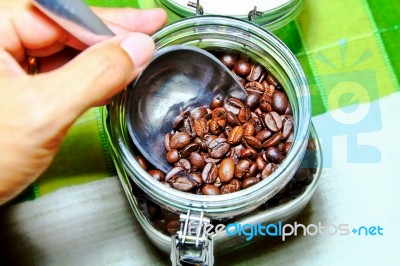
pixel 199 8
pixel 191 244
pixel 254 13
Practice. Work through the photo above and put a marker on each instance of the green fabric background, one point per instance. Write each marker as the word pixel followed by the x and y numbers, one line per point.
pixel 339 44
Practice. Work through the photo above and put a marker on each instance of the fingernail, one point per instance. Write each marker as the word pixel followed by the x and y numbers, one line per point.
pixel 139 47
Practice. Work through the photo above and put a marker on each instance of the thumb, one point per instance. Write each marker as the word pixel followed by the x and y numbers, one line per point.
pixel 100 71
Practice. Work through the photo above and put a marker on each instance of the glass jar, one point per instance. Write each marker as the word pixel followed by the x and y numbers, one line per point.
pixel 270 15
pixel 162 210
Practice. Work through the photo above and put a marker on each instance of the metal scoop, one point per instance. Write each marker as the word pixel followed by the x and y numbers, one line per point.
pixel 179 78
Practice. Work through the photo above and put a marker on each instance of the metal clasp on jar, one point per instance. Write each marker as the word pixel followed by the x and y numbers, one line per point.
pixel 254 13
pixel 199 8
pixel 191 245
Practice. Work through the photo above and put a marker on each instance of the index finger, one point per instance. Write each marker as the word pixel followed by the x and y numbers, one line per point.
pixel 43 32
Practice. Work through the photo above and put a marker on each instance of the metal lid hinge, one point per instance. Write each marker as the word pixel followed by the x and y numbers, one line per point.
pixel 191 245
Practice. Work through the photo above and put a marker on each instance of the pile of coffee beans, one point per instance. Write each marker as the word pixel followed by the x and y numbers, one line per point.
pixel 231 144
pixel 168 222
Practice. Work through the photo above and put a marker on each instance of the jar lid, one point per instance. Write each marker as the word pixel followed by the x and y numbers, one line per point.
pixel 270 14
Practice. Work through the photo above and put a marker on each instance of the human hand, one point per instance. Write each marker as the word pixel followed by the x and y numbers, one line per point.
pixel 37 111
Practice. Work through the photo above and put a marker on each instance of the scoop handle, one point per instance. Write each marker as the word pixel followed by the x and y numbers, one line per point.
pixel 76 18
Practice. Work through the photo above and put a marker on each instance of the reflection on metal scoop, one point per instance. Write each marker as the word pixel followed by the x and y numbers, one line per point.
pixel 179 78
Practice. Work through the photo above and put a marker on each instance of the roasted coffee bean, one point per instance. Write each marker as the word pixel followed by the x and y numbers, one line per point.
pixel 258 112
pixel 233 186
pixel 196 178
pixel 252 100
pixel 197 140
pixel 273 121
pixel 188 125
pixel 266 106
pixel 288 110
pixel 178 122
pixel 232 119
pixel 279 102
pixel 227 130
pixel 236 135
pixel 242 68
pixel 179 140
pixel 218 182
pixel 249 153
pixel 182 182
pixel 248 129
pixel 214 127
pixel 208 159
pixel 287 126
pixel 192 147
pixel 250 91
pixel 252 170
pixel 172 156
pixel 173 227
pixel 209 189
pixel 281 146
pixel 157 174
pixel 174 171
pixel 263 135
pixel 308 180
pixel 273 141
pixel 256 121
pixel 236 153
pixel 199 112
pixel 210 173
pixel 272 80
pixel 233 105
pixel 197 161
pixel 255 72
pixel 260 163
pixel 222 123
pixel 241 80
pixel 226 170
pixel 208 139
pixel 253 142
pixel 274 155
pixel 301 174
pixel 290 138
pixel 269 90
pixel 296 191
pixel 249 181
pixel 142 161
pixel 216 102
pixel 268 170
pixel 229 60
pixel 287 147
pixel 241 168
pixel 244 114
pixel 167 141
pixel 254 87
pixel 218 148
pixel 219 112
pixel 201 127
pixel 184 163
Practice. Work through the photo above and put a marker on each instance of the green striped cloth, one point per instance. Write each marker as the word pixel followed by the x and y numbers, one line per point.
pixel 343 46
